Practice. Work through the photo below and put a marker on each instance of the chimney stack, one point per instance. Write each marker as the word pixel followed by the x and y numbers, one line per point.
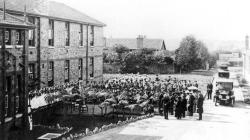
pixel 247 42
pixel 140 39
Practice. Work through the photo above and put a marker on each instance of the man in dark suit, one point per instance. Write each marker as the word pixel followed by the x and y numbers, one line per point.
pixel 184 106
pixel 178 109
pixel 200 106
pixel 166 104
pixel 160 104
pixel 209 90
pixel 191 104
pixel 171 107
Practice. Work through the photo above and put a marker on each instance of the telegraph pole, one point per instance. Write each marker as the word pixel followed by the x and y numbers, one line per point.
pixel 87 55
pixel 3 78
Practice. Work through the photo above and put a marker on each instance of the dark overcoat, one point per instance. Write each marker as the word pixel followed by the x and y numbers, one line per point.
pixel 200 105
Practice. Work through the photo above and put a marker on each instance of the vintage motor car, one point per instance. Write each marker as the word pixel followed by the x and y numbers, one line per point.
pixel 223 74
pixel 224 94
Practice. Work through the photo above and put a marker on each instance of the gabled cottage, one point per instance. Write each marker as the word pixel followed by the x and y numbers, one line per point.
pixel 135 44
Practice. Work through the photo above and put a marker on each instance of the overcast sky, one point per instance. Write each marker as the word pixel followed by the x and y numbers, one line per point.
pixel 170 19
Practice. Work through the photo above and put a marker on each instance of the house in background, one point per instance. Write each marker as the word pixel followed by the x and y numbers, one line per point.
pixel 66 45
pixel 234 62
pixel 135 44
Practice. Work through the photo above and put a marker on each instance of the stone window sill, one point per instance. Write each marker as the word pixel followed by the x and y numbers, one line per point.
pixel 12 46
pixel 51 47
pixel 19 115
pixel 8 119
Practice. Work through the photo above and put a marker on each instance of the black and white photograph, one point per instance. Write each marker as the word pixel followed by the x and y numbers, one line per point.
pixel 124 70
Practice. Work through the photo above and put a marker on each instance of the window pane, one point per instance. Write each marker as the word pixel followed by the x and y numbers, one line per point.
pixel 7 35
pixel 67 28
pixel 67 70
pixel 18 37
pixel 31 71
pixel 1 36
pixel 51 32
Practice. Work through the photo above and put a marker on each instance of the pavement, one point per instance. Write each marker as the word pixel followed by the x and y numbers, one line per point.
pixel 219 123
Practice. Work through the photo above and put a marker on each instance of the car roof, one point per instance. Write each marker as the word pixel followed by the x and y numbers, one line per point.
pixel 226 71
pixel 224 80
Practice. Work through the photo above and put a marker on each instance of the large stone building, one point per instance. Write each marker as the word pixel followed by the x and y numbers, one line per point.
pixel 65 46
pixel 13 74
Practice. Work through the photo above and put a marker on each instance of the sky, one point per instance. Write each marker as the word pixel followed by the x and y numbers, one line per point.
pixel 171 20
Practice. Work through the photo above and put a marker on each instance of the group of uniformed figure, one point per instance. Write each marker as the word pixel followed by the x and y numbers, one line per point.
pixel 172 95
pixel 180 103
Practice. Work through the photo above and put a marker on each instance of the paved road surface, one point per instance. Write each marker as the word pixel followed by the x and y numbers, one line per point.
pixel 219 123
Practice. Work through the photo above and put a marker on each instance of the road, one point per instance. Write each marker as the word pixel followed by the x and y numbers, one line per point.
pixel 219 123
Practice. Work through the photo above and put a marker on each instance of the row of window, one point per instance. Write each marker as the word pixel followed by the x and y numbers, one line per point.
pixel 67 29
pixel 14 37
pixel 9 89
pixel 9 38
pixel 31 35
pixel 31 70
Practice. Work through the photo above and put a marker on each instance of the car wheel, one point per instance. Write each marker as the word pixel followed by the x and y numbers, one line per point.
pixel 220 103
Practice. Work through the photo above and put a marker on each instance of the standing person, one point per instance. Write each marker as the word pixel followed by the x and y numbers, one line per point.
pixel 184 106
pixel 196 84
pixel 191 104
pixel 160 104
pixel 171 106
pixel 166 104
pixel 200 106
pixel 209 90
pixel 178 109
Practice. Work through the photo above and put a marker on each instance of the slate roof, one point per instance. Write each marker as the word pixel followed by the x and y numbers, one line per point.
pixel 52 9
pixel 11 21
pixel 157 44
pixel 130 43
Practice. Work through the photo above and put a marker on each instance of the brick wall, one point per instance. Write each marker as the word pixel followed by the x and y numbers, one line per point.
pixel 59 52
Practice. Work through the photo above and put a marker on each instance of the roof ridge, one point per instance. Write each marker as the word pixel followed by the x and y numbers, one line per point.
pixel 75 10
pixel 51 8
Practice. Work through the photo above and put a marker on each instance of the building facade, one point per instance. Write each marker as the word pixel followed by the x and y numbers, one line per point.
pixel 66 45
pixel 13 74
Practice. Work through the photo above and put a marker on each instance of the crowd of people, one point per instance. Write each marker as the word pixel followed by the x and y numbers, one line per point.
pixel 180 104
pixel 172 96
pixel 177 97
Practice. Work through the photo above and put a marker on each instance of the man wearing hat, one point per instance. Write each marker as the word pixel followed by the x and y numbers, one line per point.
pixel 166 105
pixel 160 104
pixel 191 104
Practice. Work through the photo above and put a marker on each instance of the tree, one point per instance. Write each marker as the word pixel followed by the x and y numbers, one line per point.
pixel 212 59
pixel 163 57
pixel 147 51
pixel 191 54
pixel 110 57
pixel 182 56
pixel 120 49
pixel 134 62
